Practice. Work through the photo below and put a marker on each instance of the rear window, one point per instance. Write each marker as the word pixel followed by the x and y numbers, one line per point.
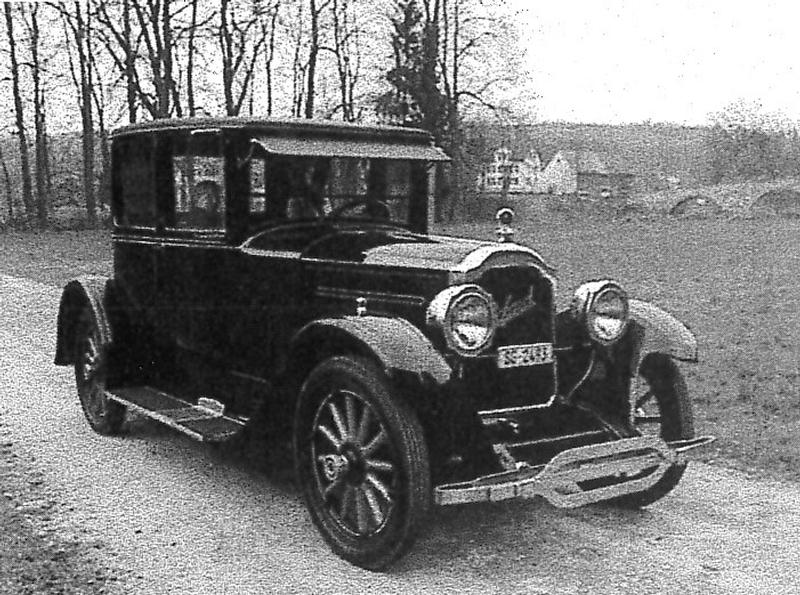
pixel 199 192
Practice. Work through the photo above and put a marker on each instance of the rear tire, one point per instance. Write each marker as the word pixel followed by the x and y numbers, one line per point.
pixel 668 396
pixel 361 461
pixel 91 377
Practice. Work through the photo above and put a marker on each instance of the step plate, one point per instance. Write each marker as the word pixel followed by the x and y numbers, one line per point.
pixel 200 423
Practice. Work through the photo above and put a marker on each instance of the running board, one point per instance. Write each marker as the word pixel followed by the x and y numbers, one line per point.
pixel 204 421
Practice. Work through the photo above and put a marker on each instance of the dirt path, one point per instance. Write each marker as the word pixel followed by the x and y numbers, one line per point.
pixel 173 516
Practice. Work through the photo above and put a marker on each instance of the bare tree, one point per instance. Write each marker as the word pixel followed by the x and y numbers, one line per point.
pixel 308 43
pixel 242 38
pixel 268 31
pixel 146 33
pixel 27 187
pixel 190 62
pixel 30 14
pixel 154 18
pixel 129 68
pixel 311 65
pixel 299 67
pixel 347 52
pixel 78 34
pixel 99 101
pixel 121 46
pixel 7 180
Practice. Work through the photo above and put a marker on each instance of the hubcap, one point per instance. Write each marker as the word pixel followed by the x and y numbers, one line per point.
pixel 356 472
pixel 334 467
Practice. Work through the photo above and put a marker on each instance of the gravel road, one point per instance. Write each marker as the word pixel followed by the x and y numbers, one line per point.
pixel 174 516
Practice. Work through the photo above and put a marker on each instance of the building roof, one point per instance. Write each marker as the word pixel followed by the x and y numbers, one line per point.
pixel 517 154
pixel 586 162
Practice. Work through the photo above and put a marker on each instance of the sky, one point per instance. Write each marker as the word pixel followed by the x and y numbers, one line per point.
pixel 613 61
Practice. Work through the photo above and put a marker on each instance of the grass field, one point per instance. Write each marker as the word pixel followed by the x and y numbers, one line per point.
pixel 734 282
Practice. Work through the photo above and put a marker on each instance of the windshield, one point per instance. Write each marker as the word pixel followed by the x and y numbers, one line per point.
pixel 303 188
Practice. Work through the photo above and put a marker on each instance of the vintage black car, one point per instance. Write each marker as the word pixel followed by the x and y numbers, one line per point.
pixel 279 277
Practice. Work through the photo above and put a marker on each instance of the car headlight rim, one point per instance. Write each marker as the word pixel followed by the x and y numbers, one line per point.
pixel 466 317
pixel 604 320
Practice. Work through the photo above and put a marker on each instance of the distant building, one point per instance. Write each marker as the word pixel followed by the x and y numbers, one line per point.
pixel 520 175
pixel 585 173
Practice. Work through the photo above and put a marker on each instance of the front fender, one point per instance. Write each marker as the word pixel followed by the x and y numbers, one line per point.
pixel 84 292
pixel 396 343
pixel 655 331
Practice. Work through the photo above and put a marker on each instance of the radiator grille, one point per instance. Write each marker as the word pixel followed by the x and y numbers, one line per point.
pixel 524 297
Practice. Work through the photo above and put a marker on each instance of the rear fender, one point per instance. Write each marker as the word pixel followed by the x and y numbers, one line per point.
pixel 396 344
pixel 655 331
pixel 90 292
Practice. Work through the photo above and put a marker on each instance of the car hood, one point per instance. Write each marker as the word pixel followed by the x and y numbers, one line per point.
pixel 457 256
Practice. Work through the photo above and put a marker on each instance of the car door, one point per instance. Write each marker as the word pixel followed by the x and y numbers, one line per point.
pixel 269 290
pixel 194 253
pixel 135 235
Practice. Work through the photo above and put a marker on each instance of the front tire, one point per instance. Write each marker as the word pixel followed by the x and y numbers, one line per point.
pixel 662 408
pixel 91 377
pixel 361 461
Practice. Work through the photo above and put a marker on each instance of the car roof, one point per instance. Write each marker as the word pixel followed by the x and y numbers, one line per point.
pixel 281 127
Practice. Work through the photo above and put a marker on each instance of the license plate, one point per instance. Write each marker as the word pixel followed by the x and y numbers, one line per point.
pixel 516 356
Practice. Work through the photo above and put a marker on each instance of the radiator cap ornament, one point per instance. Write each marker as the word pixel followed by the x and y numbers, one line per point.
pixel 361 306
pixel 504 219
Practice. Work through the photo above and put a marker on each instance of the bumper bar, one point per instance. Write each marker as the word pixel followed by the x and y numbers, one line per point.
pixel 579 476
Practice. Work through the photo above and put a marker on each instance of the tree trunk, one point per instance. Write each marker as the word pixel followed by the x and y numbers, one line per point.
pixel 39 121
pixel 311 71
pixel 9 194
pixel 269 55
pixel 165 101
pixel 48 161
pixel 459 195
pixel 98 100
pixel 87 117
pixel 342 50
pixel 130 72
pixel 298 69
pixel 227 57
pixel 190 63
pixel 105 155
pixel 27 189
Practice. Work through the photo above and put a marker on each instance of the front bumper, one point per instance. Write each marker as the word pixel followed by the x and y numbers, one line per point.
pixel 579 476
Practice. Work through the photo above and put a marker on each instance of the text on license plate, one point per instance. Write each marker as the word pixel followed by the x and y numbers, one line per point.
pixel 515 356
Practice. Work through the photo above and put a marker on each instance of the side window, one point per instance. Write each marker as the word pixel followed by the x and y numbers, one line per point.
pixel 199 192
pixel 348 179
pixel 134 183
pixel 290 188
pixel 258 192
pixel 398 188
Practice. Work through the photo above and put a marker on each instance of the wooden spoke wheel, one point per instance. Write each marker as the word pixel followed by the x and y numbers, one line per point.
pixel 361 461
pixel 91 377
pixel 661 408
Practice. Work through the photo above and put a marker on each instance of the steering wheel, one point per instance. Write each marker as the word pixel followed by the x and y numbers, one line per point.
pixel 369 203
